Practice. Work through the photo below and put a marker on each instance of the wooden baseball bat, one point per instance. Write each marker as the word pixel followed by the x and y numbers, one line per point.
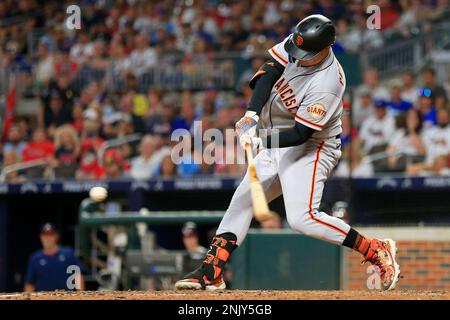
pixel 260 207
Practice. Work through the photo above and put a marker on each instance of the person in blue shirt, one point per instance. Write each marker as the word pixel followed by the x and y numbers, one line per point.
pixel 54 267
pixel 397 105
pixel 427 108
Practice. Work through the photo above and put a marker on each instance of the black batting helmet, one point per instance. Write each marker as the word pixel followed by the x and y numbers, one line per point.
pixel 311 35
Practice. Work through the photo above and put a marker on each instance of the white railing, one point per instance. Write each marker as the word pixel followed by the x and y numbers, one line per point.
pixel 408 54
pixel 21 166
pixel 115 143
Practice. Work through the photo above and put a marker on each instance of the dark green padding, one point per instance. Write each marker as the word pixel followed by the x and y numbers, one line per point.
pixel 285 260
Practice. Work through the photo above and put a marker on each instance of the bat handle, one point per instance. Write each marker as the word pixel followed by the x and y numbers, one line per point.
pixel 251 163
pixel 249 153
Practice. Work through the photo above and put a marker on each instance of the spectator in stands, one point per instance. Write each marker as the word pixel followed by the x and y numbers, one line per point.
pixel 90 144
pixel 437 142
pixel 371 80
pixel 62 85
pixel 409 89
pixel 349 132
pixel 24 125
pixel 15 143
pixel 119 47
pixel 185 38
pixel 191 241
pixel 67 145
pixel 167 168
pixel 55 113
pixel 396 104
pixel 83 48
pixel 15 60
pixel 143 57
pixel 439 167
pixel 150 156
pixel 427 108
pixel 65 64
pixel 77 117
pixel 110 125
pixel 97 61
pixel 45 67
pixel 358 37
pixel 353 163
pixel 187 159
pixel 48 269
pixel 120 62
pixel 211 102
pixel 437 138
pixel 363 107
pixel 238 34
pixel 154 100
pixel 222 119
pixel 377 130
pixel 406 145
pixel 430 82
pixel 39 147
pixel 187 117
pixel 390 13
pixel 125 126
pixel 127 107
pixel 114 164
pixel 408 17
pixel 160 123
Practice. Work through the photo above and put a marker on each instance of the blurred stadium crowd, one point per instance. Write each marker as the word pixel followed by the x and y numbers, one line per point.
pixel 152 67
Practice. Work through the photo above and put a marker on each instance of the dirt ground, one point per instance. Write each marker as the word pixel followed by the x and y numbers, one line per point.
pixel 233 295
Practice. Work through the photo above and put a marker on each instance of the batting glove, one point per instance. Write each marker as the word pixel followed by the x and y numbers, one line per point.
pixel 246 126
pixel 255 142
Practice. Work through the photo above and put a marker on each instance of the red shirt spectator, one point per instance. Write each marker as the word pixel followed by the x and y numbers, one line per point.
pixel 389 15
pixel 39 147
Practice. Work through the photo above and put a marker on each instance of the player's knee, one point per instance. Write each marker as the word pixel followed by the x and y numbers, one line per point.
pixel 299 221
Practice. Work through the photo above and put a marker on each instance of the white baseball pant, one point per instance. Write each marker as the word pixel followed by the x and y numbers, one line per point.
pixel 299 173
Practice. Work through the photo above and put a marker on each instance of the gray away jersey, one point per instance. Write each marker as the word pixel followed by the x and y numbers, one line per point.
pixel 309 95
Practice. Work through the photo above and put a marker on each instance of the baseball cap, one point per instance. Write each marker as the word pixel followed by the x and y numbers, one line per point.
pixel 90 114
pixel 189 228
pixel 48 228
pixel 396 84
pixel 365 91
pixel 112 118
pixel 380 103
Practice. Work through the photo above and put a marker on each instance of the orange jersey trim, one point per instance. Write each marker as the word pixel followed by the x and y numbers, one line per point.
pixel 311 197
pixel 272 50
pixel 309 122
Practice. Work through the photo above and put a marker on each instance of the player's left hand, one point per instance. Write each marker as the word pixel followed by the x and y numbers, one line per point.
pixel 255 142
pixel 247 124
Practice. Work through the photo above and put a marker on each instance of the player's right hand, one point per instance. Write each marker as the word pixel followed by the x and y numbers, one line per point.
pixel 246 126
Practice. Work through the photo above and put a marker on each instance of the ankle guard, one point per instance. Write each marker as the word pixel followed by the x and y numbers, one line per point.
pixel 222 246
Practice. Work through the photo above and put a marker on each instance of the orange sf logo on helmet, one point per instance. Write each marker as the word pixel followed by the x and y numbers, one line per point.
pixel 298 40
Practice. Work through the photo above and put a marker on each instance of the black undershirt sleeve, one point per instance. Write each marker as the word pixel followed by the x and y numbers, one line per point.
pixel 262 83
pixel 292 137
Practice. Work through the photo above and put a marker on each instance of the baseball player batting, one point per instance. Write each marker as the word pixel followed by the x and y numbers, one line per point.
pixel 299 93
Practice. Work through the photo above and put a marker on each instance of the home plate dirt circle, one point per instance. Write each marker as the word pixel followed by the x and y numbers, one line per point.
pixel 233 295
